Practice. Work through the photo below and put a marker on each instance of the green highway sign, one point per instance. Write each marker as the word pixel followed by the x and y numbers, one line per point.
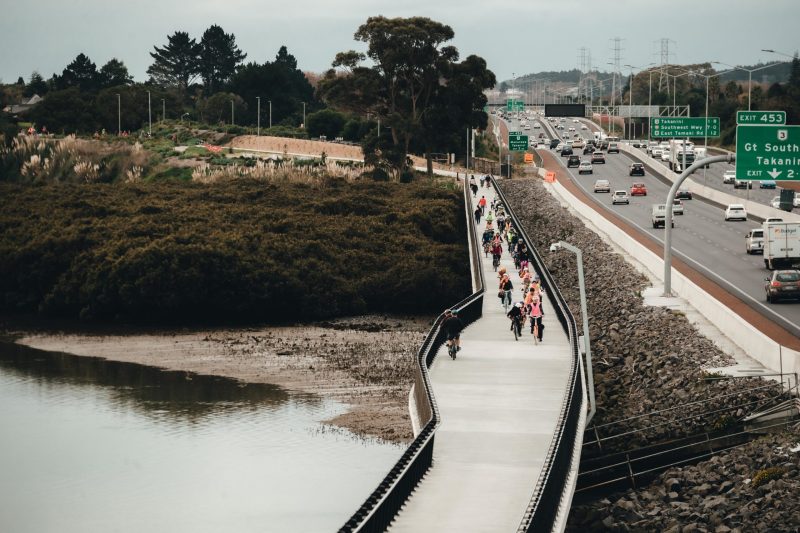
pixel 676 127
pixel 760 118
pixel 515 105
pixel 517 142
pixel 768 153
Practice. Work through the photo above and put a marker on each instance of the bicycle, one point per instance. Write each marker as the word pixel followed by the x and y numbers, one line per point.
pixel 516 327
pixel 535 329
pixel 452 349
pixel 495 261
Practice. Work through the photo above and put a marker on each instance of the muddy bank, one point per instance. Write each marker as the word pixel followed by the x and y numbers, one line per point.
pixel 366 362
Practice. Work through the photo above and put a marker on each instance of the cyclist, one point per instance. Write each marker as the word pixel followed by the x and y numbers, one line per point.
pixel 506 286
pixel 536 318
pixel 497 251
pixel 453 326
pixel 489 218
pixel 516 316
pixel 526 279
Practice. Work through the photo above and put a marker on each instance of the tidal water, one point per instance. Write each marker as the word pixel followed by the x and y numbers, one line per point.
pixel 89 445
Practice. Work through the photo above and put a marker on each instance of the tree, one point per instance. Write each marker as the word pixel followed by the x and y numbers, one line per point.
pixel 81 73
pixel 177 64
pixel 325 122
pixel 217 108
pixel 219 57
pixel 67 111
pixel 37 85
pixel 411 69
pixel 114 73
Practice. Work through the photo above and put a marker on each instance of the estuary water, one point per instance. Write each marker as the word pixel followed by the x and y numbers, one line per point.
pixel 89 445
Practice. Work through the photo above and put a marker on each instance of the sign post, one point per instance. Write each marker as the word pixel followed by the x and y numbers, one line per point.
pixel 675 127
pixel 768 152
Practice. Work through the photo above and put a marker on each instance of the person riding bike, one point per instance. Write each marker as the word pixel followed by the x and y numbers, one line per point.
pixel 516 316
pixel 537 327
pixel 489 218
pixel 497 251
pixel 453 327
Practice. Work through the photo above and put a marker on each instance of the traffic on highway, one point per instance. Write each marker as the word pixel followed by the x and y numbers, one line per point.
pixel 716 240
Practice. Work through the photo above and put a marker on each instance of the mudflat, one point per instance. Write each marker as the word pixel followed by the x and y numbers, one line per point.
pixel 366 362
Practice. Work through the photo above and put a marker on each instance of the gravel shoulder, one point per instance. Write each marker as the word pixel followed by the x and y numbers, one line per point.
pixel 366 362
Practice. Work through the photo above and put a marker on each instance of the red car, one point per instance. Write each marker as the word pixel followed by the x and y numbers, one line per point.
pixel 638 189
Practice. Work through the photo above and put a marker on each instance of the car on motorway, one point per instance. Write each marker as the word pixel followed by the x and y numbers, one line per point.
pixel 602 186
pixel 536 126
pixel 775 202
pixel 683 194
pixel 637 169
pixel 598 157
pixel 742 184
pixel 735 212
pixel 677 207
pixel 613 148
pixel 796 200
pixel 656 152
pixel 585 168
pixel 665 156
pixel 729 176
pixel 573 161
pixel 782 284
pixel 566 150
pixel 620 197
pixel 578 143
pixel 772 219
pixel 754 241
pixel 554 143
pixel 638 189
pixel 767 184
pixel 588 149
pixel 658 216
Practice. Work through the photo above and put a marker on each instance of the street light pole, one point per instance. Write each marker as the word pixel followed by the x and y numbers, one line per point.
pixel 304 115
pixel 149 116
pixel 270 114
pixel 163 110
pixel 258 117
pixel 585 319
pixel 119 116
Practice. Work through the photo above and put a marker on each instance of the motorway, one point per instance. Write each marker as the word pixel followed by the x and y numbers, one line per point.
pixel 701 237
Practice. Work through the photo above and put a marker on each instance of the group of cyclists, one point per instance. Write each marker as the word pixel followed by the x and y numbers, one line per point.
pixel 499 232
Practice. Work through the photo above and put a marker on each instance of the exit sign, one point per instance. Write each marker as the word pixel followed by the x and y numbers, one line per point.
pixel 760 118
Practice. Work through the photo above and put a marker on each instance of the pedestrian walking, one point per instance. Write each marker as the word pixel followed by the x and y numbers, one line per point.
pixel 482 204
pixel 478 214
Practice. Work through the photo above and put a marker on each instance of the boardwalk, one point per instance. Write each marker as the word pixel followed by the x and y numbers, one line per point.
pixel 499 402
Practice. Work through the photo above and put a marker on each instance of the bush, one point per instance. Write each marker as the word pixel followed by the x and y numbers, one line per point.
pixel 237 252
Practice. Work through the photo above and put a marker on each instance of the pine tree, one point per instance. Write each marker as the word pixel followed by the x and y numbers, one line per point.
pixel 177 63
pixel 219 57
pixel 114 73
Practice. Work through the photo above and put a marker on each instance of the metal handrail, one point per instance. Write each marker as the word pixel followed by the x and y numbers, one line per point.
pixel 383 504
pixel 542 510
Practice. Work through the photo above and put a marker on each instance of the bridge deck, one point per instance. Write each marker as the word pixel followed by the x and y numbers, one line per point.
pixel 499 401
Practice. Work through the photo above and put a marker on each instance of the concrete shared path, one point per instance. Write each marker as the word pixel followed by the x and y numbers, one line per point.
pixel 499 401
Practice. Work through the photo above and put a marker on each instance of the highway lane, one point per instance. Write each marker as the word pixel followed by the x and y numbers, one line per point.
pixel 701 238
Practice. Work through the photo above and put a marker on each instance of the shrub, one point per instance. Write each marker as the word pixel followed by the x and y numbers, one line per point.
pixel 763 477
pixel 237 251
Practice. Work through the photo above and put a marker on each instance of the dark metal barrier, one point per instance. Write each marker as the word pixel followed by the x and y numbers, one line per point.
pixel 542 511
pixel 380 508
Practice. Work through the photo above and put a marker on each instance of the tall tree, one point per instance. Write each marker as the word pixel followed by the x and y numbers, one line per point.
pixel 176 64
pixel 37 85
pixel 411 66
pixel 81 73
pixel 219 57
pixel 114 73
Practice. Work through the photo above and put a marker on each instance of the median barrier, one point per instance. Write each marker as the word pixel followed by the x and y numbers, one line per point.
pixel 756 344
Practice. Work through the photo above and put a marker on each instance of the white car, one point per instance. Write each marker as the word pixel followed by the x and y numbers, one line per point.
pixel 656 153
pixel 775 202
pixel 677 207
pixel 585 167
pixel 729 176
pixel 735 212
pixel 620 197
pixel 602 186
pixel 664 156
pixel 536 126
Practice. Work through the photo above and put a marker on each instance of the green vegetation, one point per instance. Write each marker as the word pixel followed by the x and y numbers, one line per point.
pixel 231 252
pixel 763 477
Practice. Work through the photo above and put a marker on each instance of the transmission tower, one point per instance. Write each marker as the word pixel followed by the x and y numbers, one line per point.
pixel 664 62
pixel 617 51
pixel 582 68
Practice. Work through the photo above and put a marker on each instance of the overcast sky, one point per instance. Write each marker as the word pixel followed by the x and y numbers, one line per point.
pixel 514 36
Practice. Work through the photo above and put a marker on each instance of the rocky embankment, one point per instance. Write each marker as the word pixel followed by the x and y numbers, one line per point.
pixel 645 358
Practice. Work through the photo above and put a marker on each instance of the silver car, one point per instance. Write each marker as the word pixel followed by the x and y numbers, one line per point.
pixel 620 197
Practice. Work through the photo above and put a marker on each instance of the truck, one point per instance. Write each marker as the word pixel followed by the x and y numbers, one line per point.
pixel 659 216
pixel 678 150
pixel 781 244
